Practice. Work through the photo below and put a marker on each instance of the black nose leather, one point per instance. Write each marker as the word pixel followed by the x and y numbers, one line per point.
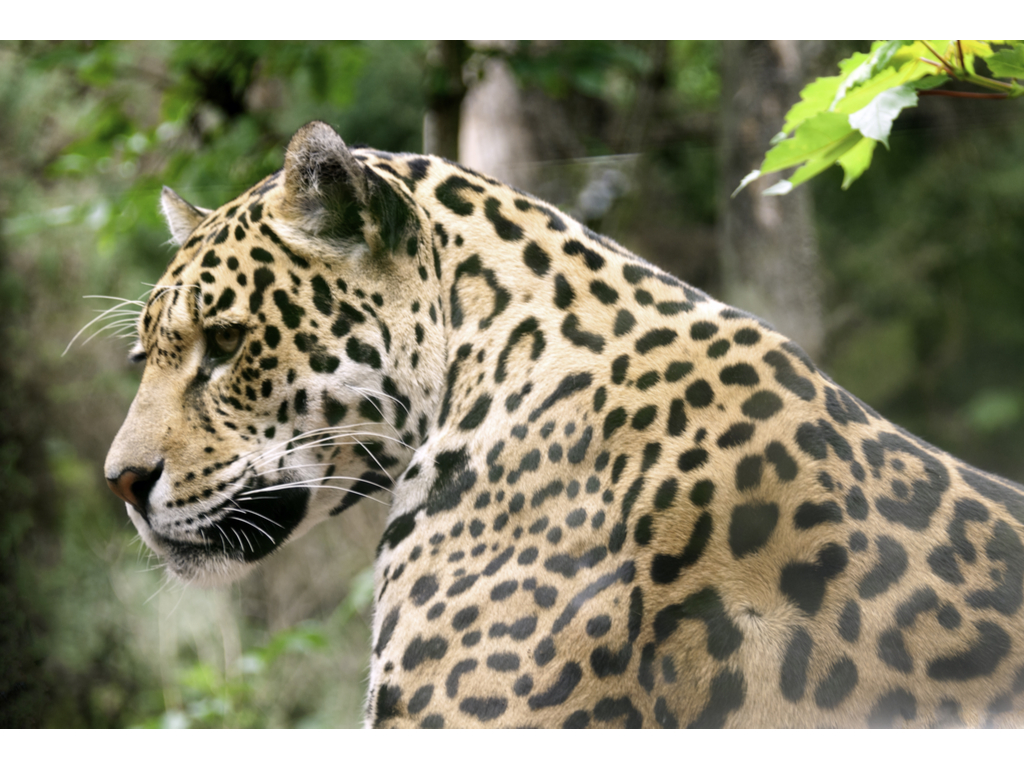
pixel 134 484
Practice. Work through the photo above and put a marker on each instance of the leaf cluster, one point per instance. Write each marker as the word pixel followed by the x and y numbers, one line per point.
pixel 840 119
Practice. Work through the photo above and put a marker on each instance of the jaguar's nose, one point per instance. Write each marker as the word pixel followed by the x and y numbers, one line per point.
pixel 134 484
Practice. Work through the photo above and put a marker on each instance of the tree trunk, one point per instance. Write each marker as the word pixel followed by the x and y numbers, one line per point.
pixel 445 91
pixel 768 247
pixel 495 136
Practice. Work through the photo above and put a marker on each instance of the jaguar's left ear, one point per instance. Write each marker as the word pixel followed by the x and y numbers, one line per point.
pixel 181 216
pixel 326 187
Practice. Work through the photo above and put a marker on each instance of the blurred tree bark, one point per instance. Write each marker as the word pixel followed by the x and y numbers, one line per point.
pixel 495 134
pixel 445 91
pixel 767 245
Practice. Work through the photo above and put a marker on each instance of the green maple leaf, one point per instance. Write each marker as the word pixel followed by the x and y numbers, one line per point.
pixel 819 142
pixel 815 98
pixel 856 160
pixel 813 138
pixel 882 52
pixel 1008 62
pixel 875 120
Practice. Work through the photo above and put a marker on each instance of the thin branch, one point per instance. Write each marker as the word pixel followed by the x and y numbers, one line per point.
pixel 944 67
pixel 945 64
pixel 962 94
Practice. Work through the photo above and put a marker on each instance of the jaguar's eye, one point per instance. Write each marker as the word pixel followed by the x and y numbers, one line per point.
pixel 222 342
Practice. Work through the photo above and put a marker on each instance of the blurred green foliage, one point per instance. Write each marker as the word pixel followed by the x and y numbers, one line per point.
pixel 922 260
pixel 242 696
pixel 208 118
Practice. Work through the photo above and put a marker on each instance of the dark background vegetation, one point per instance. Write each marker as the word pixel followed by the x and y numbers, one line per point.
pixel 910 292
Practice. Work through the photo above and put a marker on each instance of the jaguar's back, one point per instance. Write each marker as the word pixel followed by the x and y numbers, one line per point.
pixel 614 500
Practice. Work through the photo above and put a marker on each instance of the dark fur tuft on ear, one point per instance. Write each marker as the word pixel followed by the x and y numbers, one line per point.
pixel 182 217
pixel 326 187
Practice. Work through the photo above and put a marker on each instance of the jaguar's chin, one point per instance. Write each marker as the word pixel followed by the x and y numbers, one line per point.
pixel 231 539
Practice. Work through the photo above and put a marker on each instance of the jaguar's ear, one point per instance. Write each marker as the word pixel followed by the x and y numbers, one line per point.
pixel 325 186
pixel 182 217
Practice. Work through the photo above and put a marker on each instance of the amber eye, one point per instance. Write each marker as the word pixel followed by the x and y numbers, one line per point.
pixel 222 342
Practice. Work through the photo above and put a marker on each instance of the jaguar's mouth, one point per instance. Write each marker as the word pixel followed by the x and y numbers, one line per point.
pixel 242 529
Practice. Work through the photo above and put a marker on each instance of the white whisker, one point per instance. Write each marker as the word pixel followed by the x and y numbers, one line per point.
pixel 123 301
pixel 220 532
pixel 364 391
pixel 317 485
pixel 249 522
pixel 291 468
pixel 257 514
pixel 106 328
pixel 126 312
pixel 334 435
pixel 241 511
pixel 277 455
pixel 313 483
pixel 374 457
pixel 101 316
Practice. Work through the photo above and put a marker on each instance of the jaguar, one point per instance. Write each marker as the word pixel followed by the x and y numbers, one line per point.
pixel 612 500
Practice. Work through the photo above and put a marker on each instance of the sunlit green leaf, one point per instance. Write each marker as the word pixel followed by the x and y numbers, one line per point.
pixel 849 64
pixel 1008 62
pixel 883 81
pixel 825 160
pixel 881 54
pixel 875 120
pixel 815 137
pixel 856 160
pixel 814 98
pixel 918 50
pixel 930 81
